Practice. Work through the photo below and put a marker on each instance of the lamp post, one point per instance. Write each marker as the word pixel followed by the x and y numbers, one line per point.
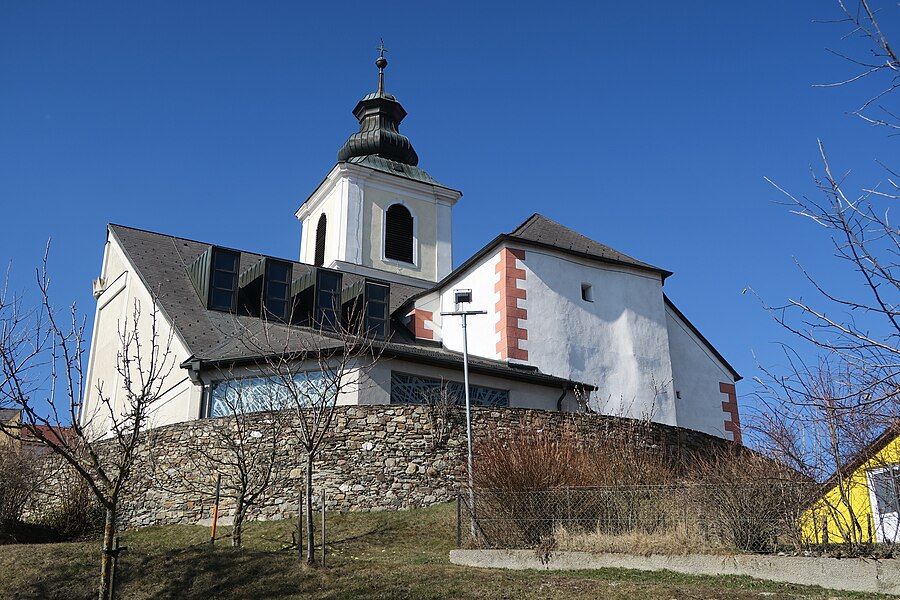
pixel 465 297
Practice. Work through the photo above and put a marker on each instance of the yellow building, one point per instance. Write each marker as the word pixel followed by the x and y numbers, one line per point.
pixel 11 418
pixel 863 499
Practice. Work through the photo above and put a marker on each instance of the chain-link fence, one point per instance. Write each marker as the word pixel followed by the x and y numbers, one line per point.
pixel 757 516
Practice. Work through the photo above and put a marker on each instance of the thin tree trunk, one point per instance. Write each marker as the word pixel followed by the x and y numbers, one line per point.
pixel 310 537
pixel 109 532
pixel 238 525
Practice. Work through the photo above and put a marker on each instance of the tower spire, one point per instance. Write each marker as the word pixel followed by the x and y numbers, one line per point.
pixel 381 62
pixel 379 115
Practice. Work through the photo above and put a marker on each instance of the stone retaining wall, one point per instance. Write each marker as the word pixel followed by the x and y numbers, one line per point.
pixel 378 458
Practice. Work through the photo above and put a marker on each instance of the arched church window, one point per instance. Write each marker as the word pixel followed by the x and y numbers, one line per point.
pixel 398 234
pixel 320 241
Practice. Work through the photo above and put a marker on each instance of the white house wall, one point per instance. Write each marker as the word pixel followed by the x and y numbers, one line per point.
pixel 377 200
pixel 354 200
pixel 536 316
pixel 328 201
pixel 698 375
pixel 481 278
pixel 618 342
pixel 122 290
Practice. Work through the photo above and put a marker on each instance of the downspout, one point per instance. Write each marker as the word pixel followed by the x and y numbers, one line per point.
pixel 560 399
pixel 193 369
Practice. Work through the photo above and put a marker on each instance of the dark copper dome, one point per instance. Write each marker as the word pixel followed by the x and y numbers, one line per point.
pixel 379 115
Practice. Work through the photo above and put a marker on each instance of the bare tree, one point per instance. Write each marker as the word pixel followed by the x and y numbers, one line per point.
pixel 242 444
pixel 880 60
pixel 308 370
pixel 817 416
pixel 443 406
pixel 42 374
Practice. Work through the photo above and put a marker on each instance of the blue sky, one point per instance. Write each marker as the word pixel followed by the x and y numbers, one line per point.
pixel 648 126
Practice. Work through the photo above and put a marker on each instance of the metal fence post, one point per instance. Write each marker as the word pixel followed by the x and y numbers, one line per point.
pixel 112 571
pixel 869 519
pixel 458 520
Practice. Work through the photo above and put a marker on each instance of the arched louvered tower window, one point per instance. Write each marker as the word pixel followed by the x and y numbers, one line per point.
pixel 320 241
pixel 398 234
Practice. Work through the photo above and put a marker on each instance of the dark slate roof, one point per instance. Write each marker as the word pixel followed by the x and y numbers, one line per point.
pixel 395 168
pixel 539 229
pixel 161 262
pixel 215 337
pixel 7 414
pixel 542 232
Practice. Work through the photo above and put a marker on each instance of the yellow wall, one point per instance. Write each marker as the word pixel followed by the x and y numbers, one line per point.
pixel 839 517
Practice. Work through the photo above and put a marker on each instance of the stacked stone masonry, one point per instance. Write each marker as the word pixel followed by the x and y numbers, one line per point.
pixel 378 458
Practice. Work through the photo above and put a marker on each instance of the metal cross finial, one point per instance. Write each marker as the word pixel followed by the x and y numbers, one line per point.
pixel 381 63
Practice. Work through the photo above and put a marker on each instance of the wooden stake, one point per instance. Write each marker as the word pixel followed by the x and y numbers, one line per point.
pixel 300 526
pixel 212 534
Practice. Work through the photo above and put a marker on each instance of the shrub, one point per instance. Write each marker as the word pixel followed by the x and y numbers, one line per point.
pixel 748 501
pixel 73 512
pixel 533 481
pixel 18 480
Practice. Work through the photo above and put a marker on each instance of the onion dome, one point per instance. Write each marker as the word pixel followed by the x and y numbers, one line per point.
pixel 379 115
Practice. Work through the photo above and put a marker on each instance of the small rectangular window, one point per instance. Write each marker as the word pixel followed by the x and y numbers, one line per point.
pixel 377 296
pixel 278 289
pixel 886 488
pixel 587 292
pixel 224 280
pixel 328 299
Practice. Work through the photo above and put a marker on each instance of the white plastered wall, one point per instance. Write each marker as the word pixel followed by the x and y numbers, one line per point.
pixel 618 342
pixel 355 199
pixel 481 278
pixel 332 206
pixel 122 290
pixel 697 374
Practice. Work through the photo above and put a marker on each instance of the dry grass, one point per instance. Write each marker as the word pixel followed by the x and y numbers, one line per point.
pixel 529 459
pixel 678 542
pixel 373 556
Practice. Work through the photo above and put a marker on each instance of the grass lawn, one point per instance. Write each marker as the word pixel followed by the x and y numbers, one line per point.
pixel 371 556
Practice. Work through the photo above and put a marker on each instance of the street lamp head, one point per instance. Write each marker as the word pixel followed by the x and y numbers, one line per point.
pixel 462 296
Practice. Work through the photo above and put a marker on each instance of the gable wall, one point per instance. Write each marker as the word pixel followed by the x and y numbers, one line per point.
pixel 180 399
pixel 482 279
pixel 617 342
pixel 699 379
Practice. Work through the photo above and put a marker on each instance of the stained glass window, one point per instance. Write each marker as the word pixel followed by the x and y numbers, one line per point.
pixel 414 389
pixel 257 394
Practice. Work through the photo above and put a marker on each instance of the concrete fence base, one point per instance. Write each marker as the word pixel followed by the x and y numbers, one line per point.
pixel 847 574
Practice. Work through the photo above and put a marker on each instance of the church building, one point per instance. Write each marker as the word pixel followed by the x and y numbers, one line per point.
pixel 568 323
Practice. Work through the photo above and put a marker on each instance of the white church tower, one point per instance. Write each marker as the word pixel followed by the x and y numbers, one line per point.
pixel 377 213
